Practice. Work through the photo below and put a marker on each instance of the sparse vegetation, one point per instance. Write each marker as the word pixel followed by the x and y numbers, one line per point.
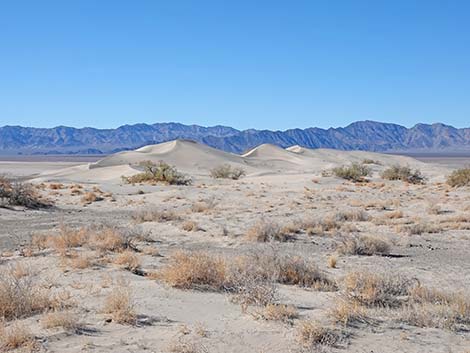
pixel 16 193
pixel 119 305
pixel 312 334
pixel 403 173
pixel 265 231
pixel 16 336
pixel 459 177
pixel 160 172
pixel 226 171
pixel 364 245
pixel 354 172
pixel 22 294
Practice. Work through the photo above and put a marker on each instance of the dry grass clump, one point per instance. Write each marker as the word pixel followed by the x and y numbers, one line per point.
pixel 81 260
pixel 64 319
pixel 204 205
pixel 16 336
pixel 332 261
pixel 67 239
pixel 16 193
pixel 266 231
pixel 377 290
pixel 418 228
pixel 348 313
pixel 129 259
pixel 364 245
pixel 90 197
pixel 278 312
pixel 434 308
pixel 111 239
pixel 22 294
pixel 326 225
pixel 190 226
pixel 459 177
pixel 120 306
pixel 354 172
pixel 296 270
pixel 154 215
pixel 312 334
pixel 351 216
pixel 403 173
pixel 226 171
pixel 194 270
pixel 160 172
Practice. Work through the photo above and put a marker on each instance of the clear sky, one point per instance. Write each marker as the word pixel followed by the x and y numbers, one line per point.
pixel 244 63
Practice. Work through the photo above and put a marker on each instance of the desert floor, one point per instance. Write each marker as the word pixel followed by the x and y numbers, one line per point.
pixel 379 266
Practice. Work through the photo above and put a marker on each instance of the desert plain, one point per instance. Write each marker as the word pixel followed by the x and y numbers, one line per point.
pixel 286 257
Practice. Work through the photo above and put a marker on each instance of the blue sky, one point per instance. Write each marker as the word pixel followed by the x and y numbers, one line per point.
pixel 247 64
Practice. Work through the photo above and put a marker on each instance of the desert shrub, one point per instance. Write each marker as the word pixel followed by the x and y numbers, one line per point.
pixel 403 173
pixel 265 231
pixel 226 171
pixel 312 334
pixel 120 306
pixel 90 197
pixel 364 245
pixel 204 205
pixel 459 177
pixel 64 319
pixel 251 280
pixel 302 272
pixel 16 336
pixel 194 270
pixel 190 226
pixel 160 172
pixel 16 193
pixel 278 312
pixel 348 313
pixel 154 215
pixel 129 260
pixel 353 172
pixel 21 294
pixel 378 290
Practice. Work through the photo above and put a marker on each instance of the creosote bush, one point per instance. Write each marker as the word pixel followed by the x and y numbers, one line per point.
pixel 160 172
pixel 459 177
pixel 354 172
pixel 226 171
pixel 403 173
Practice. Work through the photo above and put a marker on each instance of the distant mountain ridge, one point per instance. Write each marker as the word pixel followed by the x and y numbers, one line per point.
pixel 362 135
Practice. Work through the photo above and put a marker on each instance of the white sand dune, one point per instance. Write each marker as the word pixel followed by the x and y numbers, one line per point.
pixel 197 159
pixel 184 154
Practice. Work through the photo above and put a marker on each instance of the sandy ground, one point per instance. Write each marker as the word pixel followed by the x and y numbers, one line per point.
pixel 281 187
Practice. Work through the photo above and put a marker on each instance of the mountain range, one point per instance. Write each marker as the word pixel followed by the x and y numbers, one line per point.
pixel 362 135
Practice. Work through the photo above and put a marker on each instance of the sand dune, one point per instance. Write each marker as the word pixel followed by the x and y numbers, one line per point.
pixel 186 155
pixel 198 159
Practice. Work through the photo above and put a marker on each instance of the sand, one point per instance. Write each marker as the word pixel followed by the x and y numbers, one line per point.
pixel 284 187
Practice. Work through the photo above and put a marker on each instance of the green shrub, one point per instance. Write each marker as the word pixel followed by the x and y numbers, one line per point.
pixel 354 172
pixel 459 177
pixel 160 172
pixel 403 173
pixel 226 171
